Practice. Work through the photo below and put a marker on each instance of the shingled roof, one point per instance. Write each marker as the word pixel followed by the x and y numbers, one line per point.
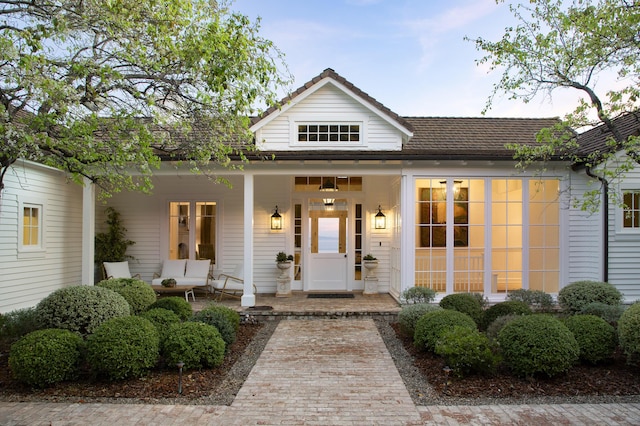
pixel 595 140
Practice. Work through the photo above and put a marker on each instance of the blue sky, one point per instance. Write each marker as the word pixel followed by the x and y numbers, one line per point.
pixel 410 55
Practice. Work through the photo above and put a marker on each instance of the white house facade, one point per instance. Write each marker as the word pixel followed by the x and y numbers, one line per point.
pixel 438 201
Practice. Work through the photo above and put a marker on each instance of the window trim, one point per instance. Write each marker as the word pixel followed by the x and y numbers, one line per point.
pixel 32 250
pixel 621 230
pixel 345 119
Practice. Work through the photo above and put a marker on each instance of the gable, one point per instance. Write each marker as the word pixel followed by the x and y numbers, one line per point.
pixel 330 117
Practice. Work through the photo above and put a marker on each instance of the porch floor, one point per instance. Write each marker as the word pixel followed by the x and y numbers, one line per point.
pixel 299 305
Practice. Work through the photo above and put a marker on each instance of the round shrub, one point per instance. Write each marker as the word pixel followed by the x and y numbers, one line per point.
pixel 123 347
pixel 231 314
pixel 178 305
pixel 538 344
pixel 629 333
pixel 44 357
pixel 466 351
pixel 577 295
pixel 535 299
pixel 465 303
pixel 498 324
pixel 218 319
pixel 161 319
pixel 410 314
pixel 609 313
pixel 80 308
pixel 502 309
pixel 596 337
pixel 137 293
pixel 432 324
pixel 196 344
pixel 418 295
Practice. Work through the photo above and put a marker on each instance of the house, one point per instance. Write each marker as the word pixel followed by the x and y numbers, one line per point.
pixel 438 201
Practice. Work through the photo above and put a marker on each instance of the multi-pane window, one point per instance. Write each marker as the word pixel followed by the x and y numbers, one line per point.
pixel 631 210
pixel 192 230
pixel 31 226
pixel 317 132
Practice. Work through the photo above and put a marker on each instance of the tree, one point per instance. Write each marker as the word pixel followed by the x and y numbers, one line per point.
pixel 106 88
pixel 554 46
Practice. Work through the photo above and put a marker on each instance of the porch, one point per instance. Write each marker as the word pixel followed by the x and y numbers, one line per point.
pixel 299 305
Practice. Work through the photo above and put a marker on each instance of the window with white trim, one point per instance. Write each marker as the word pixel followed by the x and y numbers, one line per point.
pixel 631 210
pixel 329 132
pixel 31 227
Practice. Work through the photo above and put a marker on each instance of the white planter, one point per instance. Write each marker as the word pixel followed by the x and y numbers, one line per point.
pixel 370 266
pixel 284 269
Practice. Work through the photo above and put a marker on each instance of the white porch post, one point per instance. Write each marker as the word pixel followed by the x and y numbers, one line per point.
pixel 248 298
pixel 88 231
pixel 407 232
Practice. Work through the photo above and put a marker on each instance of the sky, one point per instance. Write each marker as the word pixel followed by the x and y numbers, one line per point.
pixel 410 55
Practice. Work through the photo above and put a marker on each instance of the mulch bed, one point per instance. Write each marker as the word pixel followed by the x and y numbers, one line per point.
pixel 615 378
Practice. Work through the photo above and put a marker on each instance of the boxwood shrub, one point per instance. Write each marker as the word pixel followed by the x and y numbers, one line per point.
pixel 504 308
pixel 432 324
pixel 629 333
pixel 465 303
pixel 596 337
pixel 123 347
pixel 498 324
pixel 415 295
pixel 466 351
pixel 538 344
pixel 161 319
pixel 609 313
pixel 178 305
pixel 197 344
pixel 45 357
pixel 579 294
pixel 137 293
pixel 218 318
pixel 18 323
pixel 536 299
pixel 410 314
pixel 80 308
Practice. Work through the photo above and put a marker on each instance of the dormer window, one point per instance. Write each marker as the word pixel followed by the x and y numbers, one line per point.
pixel 324 132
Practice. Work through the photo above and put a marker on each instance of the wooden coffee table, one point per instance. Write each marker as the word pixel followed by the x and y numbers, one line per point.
pixel 187 289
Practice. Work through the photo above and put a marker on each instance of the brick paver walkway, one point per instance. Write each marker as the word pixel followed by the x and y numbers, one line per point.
pixel 319 372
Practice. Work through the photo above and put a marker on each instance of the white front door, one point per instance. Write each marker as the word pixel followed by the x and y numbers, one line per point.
pixel 328 250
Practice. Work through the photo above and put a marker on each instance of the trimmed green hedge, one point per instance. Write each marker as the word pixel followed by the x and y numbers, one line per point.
pixel 629 333
pixel 596 337
pixel 137 293
pixel 178 305
pixel 197 344
pixel 431 325
pixel 410 314
pixel 466 303
pixel 574 297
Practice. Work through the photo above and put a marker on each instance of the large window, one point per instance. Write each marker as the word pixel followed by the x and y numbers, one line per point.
pixel 192 230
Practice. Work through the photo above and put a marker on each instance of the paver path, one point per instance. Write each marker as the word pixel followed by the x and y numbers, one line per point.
pixel 330 371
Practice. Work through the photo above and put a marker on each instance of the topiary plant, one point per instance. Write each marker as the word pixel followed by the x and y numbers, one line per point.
pixel 538 344
pixel 504 308
pixel 417 295
pixel 465 303
pixel 232 315
pixel 410 314
pixel 196 344
pixel 536 299
pixel 80 308
pixel 218 319
pixel 178 305
pixel 123 347
pixel 466 351
pixel 498 324
pixel 596 338
pixel 579 294
pixel 161 319
pixel 609 313
pixel 432 324
pixel 137 293
pixel 629 333
pixel 44 357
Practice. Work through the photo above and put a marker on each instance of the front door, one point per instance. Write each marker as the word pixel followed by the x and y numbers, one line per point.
pixel 328 250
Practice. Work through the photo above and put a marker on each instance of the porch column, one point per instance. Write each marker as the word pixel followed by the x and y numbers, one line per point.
pixel 248 298
pixel 88 232
pixel 407 232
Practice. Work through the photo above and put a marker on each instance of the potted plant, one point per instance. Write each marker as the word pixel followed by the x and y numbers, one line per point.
pixel 369 257
pixel 168 282
pixel 282 257
pixel 370 263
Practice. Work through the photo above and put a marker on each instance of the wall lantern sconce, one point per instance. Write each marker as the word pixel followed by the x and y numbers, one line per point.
pixel 276 220
pixel 328 186
pixel 381 219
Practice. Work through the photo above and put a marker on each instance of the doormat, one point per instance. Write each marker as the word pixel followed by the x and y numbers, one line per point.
pixel 330 296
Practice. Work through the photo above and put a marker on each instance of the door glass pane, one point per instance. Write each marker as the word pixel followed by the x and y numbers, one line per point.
pixel 328 234
pixel 205 231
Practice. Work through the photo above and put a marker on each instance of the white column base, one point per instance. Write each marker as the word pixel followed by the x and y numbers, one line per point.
pixel 248 300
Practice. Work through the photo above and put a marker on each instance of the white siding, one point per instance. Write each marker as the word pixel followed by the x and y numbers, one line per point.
pixel 328 104
pixel 26 279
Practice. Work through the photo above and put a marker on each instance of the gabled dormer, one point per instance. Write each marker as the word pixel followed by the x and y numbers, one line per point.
pixel 330 114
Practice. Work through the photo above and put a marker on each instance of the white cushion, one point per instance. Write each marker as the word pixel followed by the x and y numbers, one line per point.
pixel 197 268
pixel 173 268
pixel 232 285
pixel 117 269
pixel 202 281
